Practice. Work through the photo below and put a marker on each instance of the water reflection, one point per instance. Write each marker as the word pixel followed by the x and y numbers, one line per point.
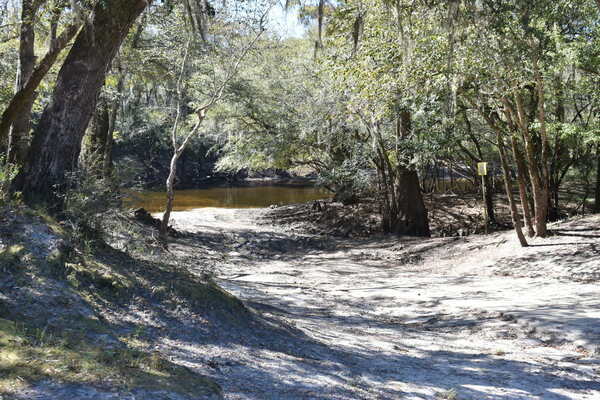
pixel 229 197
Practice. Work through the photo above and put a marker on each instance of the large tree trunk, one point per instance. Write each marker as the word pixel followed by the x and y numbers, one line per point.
pixel 57 140
pixel 404 211
pixel 26 95
pixel 414 219
pixel 18 140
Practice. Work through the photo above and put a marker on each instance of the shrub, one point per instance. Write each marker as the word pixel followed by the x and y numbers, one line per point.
pixel 8 171
pixel 87 202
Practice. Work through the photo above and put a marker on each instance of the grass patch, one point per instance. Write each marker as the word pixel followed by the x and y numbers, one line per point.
pixel 91 273
pixel 447 395
pixel 30 355
pixel 208 294
pixel 10 257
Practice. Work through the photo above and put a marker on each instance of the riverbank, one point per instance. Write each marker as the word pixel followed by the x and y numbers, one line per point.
pixel 320 317
pixel 449 215
pixel 473 317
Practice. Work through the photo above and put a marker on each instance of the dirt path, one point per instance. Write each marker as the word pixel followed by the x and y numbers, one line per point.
pixel 455 318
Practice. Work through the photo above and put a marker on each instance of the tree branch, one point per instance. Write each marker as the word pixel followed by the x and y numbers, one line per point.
pixel 18 101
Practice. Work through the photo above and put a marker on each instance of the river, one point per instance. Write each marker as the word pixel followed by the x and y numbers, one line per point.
pixel 229 197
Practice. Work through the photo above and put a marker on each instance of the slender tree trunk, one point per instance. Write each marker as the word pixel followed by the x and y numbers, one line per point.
pixel 95 143
pixel 177 151
pixel 514 213
pixel 487 181
pixel 521 176
pixel 164 225
pixel 18 141
pixel 553 202
pixel 489 199
pixel 558 153
pixel 541 220
pixel 57 140
pixel 538 187
pixel 107 169
pixel 597 194
pixel 108 148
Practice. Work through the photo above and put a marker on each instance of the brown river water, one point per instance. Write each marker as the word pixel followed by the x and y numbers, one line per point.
pixel 229 197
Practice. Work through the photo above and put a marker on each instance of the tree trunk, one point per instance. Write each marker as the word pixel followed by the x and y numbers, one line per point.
pixel 57 140
pixel 407 212
pixel 107 168
pixel 414 220
pixel 514 213
pixel 521 177
pixel 108 148
pixel 597 194
pixel 558 153
pixel 18 103
pixel 164 225
pixel 18 140
pixel 487 184
pixel 489 199
pixel 94 147
pixel 553 202
pixel 542 218
pixel 536 173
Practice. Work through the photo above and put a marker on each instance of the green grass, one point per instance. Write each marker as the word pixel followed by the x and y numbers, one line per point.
pixel 450 394
pixel 10 257
pixel 28 355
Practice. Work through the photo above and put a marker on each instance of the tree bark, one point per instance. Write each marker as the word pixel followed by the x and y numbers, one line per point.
pixel 489 199
pixel 107 167
pixel 487 188
pixel 536 172
pixel 164 225
pixel 514 213
pixel 406 214
pixel 542 219
pixel 18 139
pixel 177 151
pixel 57 140
pixel 415 220
pixel 27 94
pixel 597 194
pixel 521 177
pixel 95 143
